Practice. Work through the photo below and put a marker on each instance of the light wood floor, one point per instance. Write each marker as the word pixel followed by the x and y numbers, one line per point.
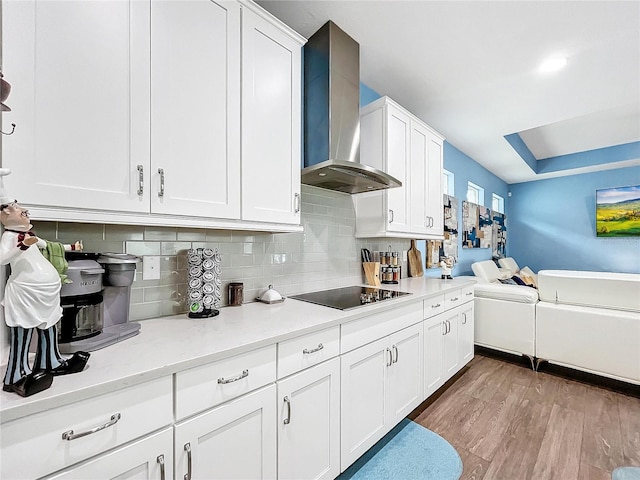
pixel 510 423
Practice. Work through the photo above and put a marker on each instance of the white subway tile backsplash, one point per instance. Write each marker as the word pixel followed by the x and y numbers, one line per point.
pixel 326 255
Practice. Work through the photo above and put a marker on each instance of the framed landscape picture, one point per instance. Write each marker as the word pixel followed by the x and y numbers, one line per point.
pixel 618 212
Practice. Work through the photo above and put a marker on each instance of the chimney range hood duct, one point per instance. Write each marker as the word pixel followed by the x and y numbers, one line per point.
pixel 332 116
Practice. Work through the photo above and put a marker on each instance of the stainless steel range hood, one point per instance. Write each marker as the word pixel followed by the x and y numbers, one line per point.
pixel 332 116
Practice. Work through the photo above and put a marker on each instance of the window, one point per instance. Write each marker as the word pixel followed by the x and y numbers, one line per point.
pixel 447 182
pixel 475 194
pixel 497 203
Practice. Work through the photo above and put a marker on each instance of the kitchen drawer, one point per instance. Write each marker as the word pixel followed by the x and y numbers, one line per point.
pixel 467 293
pixel 203 387
pixel 367 329
pixel 453 299
pixel 433 306
pixel 34 446
pixel 305 351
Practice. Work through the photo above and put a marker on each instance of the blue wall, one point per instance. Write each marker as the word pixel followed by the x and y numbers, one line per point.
pixel 552 224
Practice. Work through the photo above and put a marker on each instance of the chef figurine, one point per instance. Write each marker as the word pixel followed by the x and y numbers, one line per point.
pixel 31 303
pixel 446 264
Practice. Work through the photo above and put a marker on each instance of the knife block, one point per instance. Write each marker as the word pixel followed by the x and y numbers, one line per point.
pixel 372 273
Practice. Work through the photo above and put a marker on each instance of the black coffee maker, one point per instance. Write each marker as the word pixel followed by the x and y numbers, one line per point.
pixel 95 306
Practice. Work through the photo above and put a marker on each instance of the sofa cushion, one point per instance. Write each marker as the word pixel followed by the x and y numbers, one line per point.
pixel 510 293
pixel 620 291
pixel 510 264
pixel 486 270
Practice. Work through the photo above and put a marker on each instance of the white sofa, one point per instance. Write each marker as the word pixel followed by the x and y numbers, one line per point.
pixel 590 321
pixel 505 315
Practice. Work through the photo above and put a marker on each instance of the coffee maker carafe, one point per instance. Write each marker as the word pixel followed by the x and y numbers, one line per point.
pixel 97 314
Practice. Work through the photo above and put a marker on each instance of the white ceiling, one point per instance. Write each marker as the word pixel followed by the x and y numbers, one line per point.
pixel 470 70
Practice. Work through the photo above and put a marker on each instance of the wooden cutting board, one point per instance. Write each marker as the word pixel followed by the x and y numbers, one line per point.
pixel 415 261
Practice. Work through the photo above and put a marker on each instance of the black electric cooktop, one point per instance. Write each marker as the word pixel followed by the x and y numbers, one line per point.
pixel 346 298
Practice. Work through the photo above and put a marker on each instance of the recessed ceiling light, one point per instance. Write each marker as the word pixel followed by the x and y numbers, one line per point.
pixel 553 64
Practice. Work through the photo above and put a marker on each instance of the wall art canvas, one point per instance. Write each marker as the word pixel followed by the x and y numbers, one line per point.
pixel 470 238
pixel 499 235
pixel 434 252
pixel 618 212
pixel 485 226
pixel 439 249
pixel 451 216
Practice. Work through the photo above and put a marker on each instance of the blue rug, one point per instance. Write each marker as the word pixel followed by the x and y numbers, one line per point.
pixel 626 473
pixel 407 452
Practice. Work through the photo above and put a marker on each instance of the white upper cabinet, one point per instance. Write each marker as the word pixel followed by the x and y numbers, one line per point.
pixel 80 102
pixel 195 108
pixel 271 120
pixel 171 112
pixel 397 142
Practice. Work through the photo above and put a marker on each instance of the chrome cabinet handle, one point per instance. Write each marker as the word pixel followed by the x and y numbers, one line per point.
pixel 465 318
pixel 390 357
pixel 187 448
pixel 69 435
pixel 288 402
pixel 391 215
pixel 161 172
pixel 160 461
pixel 437 305
pixel 445 328
pixel 468 294
pixel 454 299
pixel 396 350
pixel 296 203
pixel 140 179
pixel 306 351
pixel 244 374
pixel 448 327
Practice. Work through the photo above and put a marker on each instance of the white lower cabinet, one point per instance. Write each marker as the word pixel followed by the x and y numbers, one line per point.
pixel 381 383
pixel 236 440
pixel 309 423
pixel 148 459
pixel 448 344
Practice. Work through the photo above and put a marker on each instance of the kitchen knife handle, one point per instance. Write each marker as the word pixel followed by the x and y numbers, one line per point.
pixel 140 180
pixel 161 172
pixel 288 402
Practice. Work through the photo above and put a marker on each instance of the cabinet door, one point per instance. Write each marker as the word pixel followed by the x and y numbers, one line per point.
pixel 148 459
pixel 271 122
pixel 466 333
pixel 363 386
pixel 309 423
pixel 433 186
pixel 83 119
pixel 234 441
pixel 450 345
pixel 398 151
pixel 434 330
pixel 404 377
pixel 418 167
pixel 195 108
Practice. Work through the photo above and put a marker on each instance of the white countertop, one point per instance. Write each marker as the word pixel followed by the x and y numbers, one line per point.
pixel 168 345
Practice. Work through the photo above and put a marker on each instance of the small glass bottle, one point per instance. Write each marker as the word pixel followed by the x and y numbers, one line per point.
pixel 388 275
pixel 396 274
pixel 394 259
pixel 383 258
